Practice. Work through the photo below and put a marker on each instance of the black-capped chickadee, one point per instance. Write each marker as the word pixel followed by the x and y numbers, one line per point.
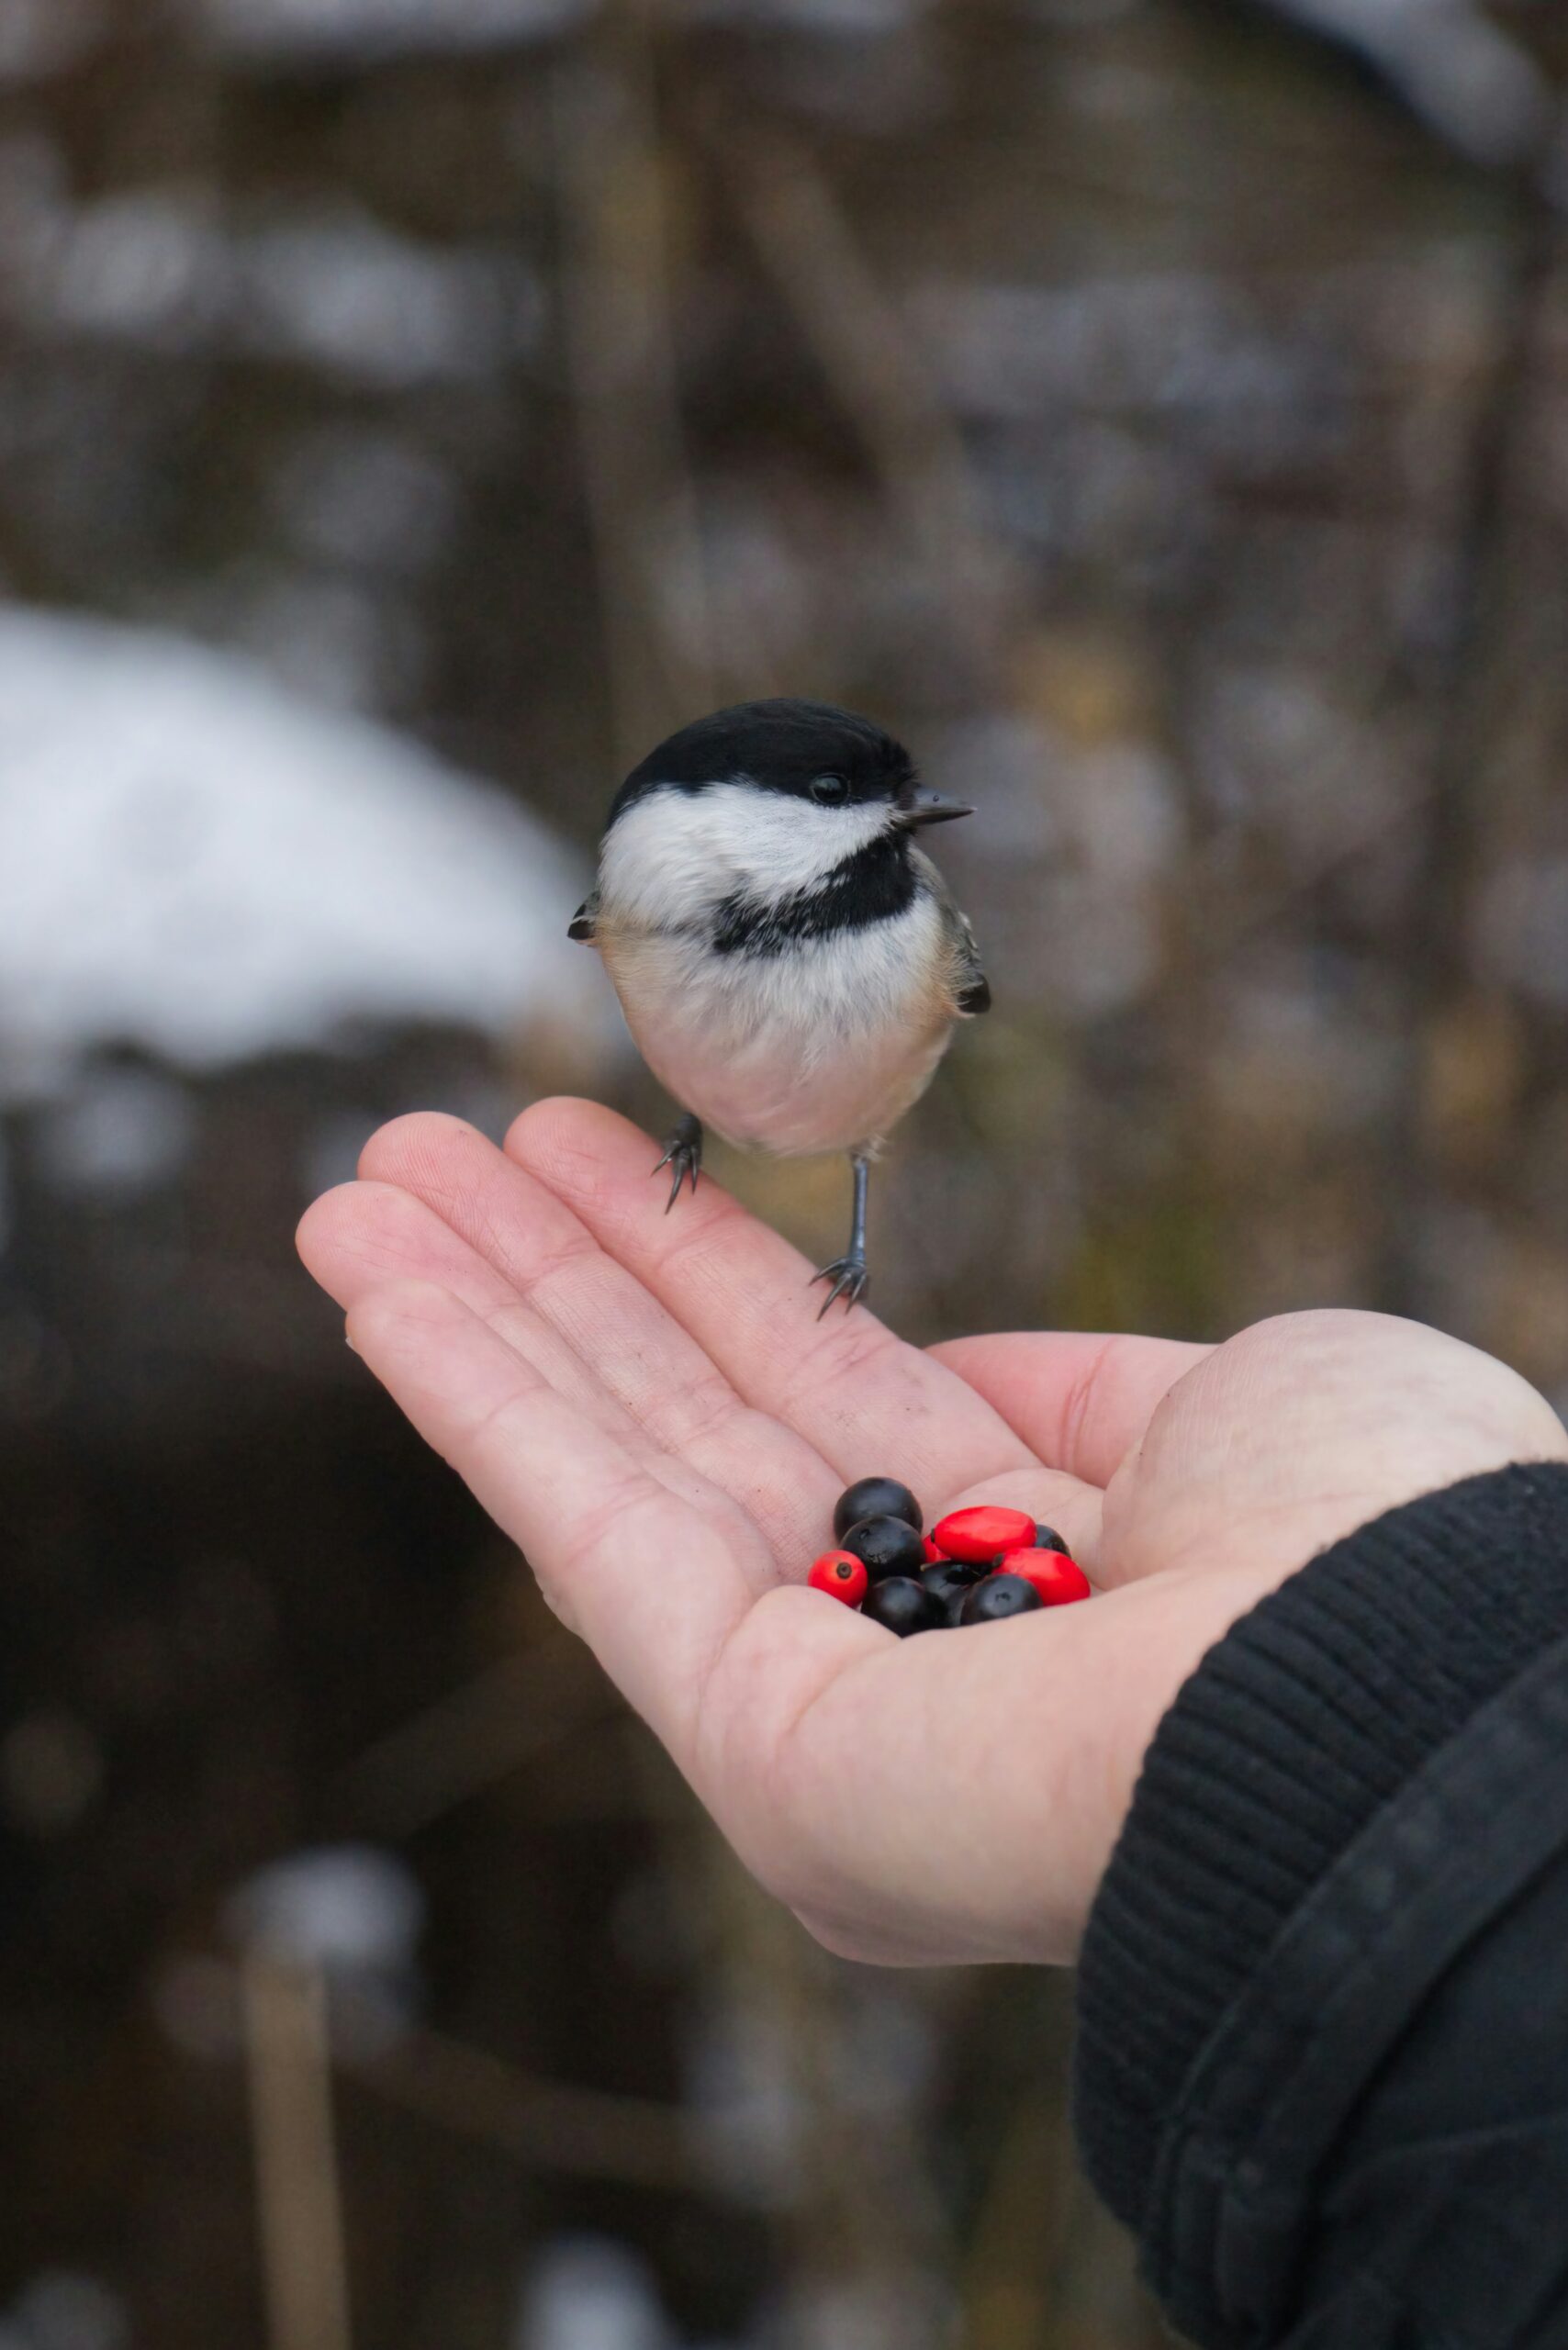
pixel 791 966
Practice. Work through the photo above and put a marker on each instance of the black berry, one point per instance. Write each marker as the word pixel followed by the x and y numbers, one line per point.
pixel 875 1498
pixel 900 1605
pixel 999 1597
pixel 1047 1539
pixel 886 1546
pixel 949 1585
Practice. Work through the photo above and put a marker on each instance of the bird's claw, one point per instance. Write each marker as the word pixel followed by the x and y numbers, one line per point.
pixel 683 1151
pixel 850 1279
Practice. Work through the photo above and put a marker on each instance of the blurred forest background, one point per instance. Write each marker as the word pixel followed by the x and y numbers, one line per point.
pixel 1157 411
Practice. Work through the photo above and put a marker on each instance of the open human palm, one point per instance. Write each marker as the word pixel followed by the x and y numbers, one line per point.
pixel 649 1408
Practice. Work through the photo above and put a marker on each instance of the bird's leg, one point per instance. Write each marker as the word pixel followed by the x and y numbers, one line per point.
pixel 683 1151
pixel 847 1274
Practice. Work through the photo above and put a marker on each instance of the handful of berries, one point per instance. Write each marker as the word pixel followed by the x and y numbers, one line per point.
pixel 976 1566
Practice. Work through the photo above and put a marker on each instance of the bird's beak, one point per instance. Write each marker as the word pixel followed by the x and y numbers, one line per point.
pixel 928 808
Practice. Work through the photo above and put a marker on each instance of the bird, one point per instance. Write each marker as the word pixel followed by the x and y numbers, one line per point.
pixel 790 964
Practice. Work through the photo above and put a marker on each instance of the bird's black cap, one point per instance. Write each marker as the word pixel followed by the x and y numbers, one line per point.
pixel 783 745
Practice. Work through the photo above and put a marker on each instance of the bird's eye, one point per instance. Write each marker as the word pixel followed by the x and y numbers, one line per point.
pixel 829 791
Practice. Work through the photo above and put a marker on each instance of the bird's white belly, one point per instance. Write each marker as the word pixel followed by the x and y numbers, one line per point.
pixel 819 1050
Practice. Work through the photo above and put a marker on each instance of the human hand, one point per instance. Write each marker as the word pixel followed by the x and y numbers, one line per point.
pixel 649 1408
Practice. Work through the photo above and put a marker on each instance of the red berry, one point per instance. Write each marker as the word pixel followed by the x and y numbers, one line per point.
pixel 1057 1579
pixel 934 1557
pixel 842 1575
pixel 978 1535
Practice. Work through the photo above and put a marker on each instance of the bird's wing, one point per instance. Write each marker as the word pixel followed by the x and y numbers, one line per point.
pixel 971 990
pixel 584 923
pixel 966 981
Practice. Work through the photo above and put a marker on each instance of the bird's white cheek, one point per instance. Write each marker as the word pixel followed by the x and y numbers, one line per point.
pixel 675 855
pixel 656 868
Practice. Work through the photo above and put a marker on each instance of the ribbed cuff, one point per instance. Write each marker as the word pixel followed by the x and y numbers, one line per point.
pixel 1302 1722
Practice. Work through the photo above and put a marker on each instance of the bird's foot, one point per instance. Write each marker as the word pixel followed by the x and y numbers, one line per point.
pixel 849 1278
pixel 683 1151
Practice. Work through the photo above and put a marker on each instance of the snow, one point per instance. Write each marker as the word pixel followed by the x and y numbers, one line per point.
pixel 326 287
pixel 590 2292
pixel 63 2310
pixel 1170 343
pixel 341 292
pixel 121 1132
pixel 1474 85
pixel 197 862
pixel 351 1909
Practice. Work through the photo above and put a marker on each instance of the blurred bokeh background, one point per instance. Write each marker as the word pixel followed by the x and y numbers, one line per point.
pixel 1156 410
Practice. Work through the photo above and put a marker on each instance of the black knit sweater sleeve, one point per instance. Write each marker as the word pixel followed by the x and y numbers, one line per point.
pixel 1383 1741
